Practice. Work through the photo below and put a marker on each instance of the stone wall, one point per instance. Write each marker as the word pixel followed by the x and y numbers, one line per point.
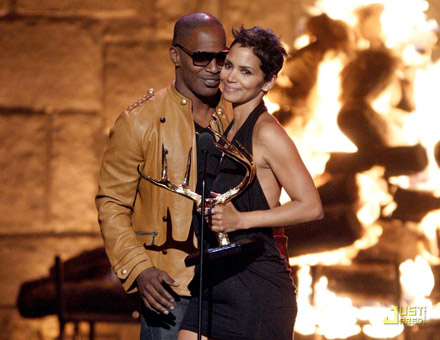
pixel 67 69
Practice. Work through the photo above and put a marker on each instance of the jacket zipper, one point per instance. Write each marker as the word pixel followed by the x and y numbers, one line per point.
pixel 153 234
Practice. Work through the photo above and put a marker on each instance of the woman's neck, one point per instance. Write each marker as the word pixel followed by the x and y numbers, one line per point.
pixel 241 113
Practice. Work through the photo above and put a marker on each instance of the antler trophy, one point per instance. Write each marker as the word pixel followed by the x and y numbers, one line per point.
pixel 236 153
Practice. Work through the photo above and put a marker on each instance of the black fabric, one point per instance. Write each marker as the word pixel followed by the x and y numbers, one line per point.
pixel 212 160
pixel 210 173
pixel 251 295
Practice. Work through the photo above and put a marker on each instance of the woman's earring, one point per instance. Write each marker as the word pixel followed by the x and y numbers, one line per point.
pixel 265 90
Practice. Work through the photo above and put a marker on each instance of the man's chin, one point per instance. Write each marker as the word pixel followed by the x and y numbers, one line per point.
pixel 209 92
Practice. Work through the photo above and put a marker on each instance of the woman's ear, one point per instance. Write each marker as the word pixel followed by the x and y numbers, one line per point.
pixel 269 84
pixel 174 55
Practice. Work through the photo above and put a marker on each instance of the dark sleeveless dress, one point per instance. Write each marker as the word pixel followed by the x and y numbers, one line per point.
pixel 248 296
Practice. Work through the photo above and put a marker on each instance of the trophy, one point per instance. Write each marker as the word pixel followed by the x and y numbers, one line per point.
pixel 240 155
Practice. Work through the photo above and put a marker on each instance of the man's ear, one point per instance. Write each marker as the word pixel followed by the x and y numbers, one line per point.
pixel 174 55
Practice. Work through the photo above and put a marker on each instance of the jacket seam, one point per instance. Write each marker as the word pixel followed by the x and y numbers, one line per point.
pixel 119 265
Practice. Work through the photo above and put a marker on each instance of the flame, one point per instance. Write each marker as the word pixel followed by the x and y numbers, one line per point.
pixel 373 194
pixel 417 281
pixel 327 107
pixel 426 118
pixel 423 123
pixel 305 320
pixel 376 328
pixel 404 28
pixel 336 317
pixel 302 41
pixel 321 135
pixel 403 22
pixel 429 225
pixel 339 322
pixel 270 105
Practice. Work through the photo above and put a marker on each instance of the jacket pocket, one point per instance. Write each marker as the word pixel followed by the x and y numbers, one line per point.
pixel 147 237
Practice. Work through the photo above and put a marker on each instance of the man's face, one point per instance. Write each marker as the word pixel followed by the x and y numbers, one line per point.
pixel 197 82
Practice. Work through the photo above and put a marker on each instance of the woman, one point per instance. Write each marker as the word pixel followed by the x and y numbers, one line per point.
pixel 251 296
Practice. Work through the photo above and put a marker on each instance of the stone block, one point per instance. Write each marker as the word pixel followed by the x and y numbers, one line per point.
pixel 100 8
pixel 50 64
pixel 156 23
pixel 279 16
pixel 23 165
pixel 139 28
pixel 166 12
pixel 130 70
pixel 4 7
pixel 74 165
pixel 17 328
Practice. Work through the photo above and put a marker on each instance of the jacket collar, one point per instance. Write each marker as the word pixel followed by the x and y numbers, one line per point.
pixel 223 106
pixel 178 97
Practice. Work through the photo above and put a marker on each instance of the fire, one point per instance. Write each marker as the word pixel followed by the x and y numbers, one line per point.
pixel 339 323
pixel 429 226
pixel 402 26
pixel 336 317
pixel 373 194
pixel 417 281
pixel 376 328
pixel 402 22
pixel 271 106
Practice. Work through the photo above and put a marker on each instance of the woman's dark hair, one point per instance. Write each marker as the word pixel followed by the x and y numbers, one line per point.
pixel 265 45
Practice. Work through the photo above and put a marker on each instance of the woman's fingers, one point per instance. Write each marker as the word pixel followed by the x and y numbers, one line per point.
pixel 214 194
pixel 208 211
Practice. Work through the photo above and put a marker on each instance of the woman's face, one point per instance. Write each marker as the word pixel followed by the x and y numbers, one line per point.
pixel 241 76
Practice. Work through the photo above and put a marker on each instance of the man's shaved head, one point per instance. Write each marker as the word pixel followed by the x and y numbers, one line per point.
pixel 187 23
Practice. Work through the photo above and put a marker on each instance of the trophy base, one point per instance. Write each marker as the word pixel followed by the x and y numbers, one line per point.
pixel 222 251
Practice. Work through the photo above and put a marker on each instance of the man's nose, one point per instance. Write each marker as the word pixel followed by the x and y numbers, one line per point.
pixel 213 67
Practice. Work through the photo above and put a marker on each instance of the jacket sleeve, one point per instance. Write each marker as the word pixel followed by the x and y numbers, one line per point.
pixel 115 200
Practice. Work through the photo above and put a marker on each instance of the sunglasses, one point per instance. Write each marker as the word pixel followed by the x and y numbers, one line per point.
pixel 202 58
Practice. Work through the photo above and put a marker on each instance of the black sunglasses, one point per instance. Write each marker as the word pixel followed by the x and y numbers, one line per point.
pixel 202 58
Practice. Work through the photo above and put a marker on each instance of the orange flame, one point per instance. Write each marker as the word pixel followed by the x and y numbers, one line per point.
pixel 405 29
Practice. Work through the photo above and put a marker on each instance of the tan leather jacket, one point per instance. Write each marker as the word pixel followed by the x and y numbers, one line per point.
pixel 133 212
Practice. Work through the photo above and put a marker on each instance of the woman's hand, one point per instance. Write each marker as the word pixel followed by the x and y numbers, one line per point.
pixel 225 218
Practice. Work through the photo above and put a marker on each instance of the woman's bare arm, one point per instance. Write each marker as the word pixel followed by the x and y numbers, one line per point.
pixel 274 147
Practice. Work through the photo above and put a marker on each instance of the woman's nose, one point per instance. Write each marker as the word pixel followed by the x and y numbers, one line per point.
pixel 231 76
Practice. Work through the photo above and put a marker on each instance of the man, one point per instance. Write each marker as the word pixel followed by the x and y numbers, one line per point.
pixel 147 229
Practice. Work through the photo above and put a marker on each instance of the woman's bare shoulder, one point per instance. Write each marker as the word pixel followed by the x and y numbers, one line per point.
pixel 268 129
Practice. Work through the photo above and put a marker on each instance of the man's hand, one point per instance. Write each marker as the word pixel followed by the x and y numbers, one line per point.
pixel 153 293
